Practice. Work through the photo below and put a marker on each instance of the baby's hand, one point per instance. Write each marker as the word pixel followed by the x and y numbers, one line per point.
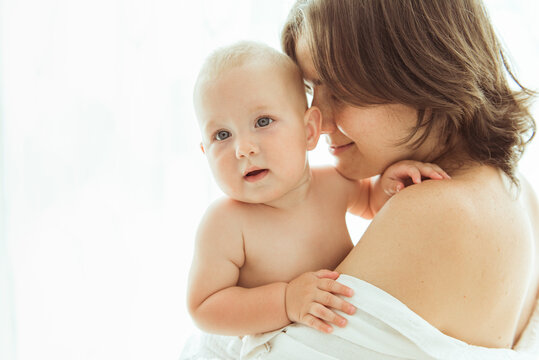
pixel 309 297
pixel 407 172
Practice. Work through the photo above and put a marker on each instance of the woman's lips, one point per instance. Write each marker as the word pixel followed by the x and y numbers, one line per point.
pixel 256 175
pixel 336 150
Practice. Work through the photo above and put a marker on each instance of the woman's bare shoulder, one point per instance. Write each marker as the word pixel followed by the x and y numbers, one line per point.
pixel 529 198
pixel 417 224
pixel 436 247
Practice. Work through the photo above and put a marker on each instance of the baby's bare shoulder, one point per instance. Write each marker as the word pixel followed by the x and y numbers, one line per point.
pixel 230 211
pixel 222 224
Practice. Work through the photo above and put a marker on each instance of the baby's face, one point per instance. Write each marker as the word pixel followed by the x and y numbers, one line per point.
pixel 253 131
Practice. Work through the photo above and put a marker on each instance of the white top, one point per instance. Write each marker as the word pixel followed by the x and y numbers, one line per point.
pixel 381 328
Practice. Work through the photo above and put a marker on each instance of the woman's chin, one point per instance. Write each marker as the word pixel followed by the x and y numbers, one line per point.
pixel 355 172
pixel 348 172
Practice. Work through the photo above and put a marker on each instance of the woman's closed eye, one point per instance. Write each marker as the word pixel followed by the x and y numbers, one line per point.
pixel 263 121
pixel 222 135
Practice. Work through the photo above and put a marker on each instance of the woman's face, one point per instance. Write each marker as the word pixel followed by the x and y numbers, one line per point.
pixel 363 140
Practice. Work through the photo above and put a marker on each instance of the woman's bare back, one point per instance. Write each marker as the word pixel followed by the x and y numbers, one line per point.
pixel 462 254
pixel 530 205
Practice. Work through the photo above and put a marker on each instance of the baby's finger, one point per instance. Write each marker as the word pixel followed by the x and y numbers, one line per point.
pixel 430 172
pixel 327 315
pixel 440 171
pixel 334 287
pixel 316 323
pixel 415 174
pixel 328 274
pixel 393 187
pixel 332 301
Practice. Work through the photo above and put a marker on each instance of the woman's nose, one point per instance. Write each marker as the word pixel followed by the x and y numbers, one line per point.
pixel 328 123
pixel 246 148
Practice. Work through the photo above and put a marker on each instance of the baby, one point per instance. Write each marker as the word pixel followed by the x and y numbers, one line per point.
pixel 256 249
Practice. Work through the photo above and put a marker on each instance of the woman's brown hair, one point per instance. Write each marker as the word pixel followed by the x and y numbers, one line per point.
pixel 441 57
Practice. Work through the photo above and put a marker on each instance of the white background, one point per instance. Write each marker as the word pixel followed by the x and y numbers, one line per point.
pixel 102 181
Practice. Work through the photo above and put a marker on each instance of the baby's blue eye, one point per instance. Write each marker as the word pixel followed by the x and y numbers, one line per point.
pixel 262 122
pixel 222 135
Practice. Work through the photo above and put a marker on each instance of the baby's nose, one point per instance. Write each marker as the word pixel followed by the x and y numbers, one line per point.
pixel 245 148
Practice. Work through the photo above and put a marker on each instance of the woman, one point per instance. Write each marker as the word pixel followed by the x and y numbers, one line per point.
pixel 426 80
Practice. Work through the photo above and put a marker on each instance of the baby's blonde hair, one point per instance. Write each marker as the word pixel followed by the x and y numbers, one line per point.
pixel 241 53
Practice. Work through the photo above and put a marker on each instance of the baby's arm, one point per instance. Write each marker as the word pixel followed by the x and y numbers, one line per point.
pixel 372 193
pixel 215 303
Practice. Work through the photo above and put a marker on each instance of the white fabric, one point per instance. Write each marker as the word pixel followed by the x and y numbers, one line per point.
pixel 384 328
pixel 204 346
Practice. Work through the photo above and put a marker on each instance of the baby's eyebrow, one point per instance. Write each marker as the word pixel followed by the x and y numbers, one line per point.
pixel 257 108
pixel 210 126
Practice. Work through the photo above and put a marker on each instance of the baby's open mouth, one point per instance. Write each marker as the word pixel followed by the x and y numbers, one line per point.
pixel 255 175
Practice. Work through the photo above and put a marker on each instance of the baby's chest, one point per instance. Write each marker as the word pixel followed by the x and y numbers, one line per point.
pixel 281 251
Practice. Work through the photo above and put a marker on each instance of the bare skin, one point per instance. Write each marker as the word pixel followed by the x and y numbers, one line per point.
pixel 467 259
pixel 253 265
pixel 256 251
pixel 239 245
pixel 462 253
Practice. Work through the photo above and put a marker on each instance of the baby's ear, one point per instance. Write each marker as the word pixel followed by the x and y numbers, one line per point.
pixel 202 147
pixel 313 122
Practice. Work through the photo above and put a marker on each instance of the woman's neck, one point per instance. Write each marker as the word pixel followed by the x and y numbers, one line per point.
pixel 454 160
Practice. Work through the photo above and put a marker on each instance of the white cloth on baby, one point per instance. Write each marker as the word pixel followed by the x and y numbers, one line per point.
pixel 204 346
pixel 382 328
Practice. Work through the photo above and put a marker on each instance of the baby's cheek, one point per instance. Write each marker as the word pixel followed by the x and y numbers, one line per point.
pixel 296 163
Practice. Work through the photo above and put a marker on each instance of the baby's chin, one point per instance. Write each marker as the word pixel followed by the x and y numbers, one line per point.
pixel 255 199
pixel 259 198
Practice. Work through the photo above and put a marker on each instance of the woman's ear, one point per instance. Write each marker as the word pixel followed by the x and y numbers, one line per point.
pixel 313 122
